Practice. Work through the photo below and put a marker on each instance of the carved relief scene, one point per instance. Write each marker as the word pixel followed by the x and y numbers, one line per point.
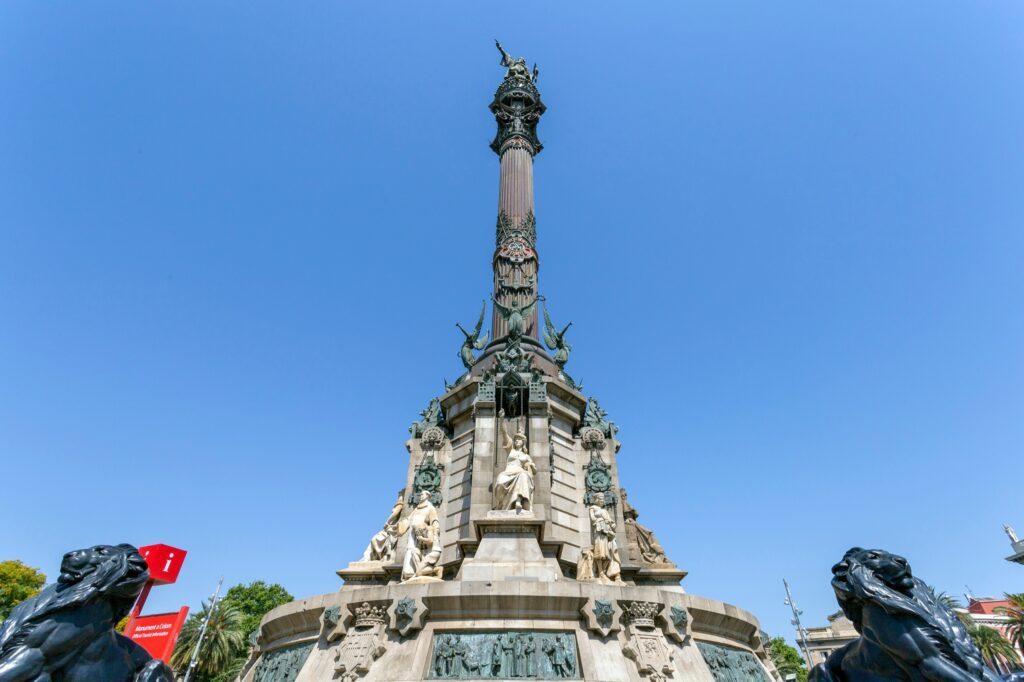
pixel 540 655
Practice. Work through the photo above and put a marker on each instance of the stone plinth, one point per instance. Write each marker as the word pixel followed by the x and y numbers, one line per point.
pixel 509 549
pixel 318 628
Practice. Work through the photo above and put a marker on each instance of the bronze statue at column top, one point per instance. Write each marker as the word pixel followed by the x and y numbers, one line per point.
pixel 517 106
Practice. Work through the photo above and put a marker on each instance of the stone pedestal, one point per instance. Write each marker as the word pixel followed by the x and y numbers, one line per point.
pixel 509 549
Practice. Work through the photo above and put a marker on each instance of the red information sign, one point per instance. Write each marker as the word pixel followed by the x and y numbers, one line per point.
pixel 157 633
pixel 164 562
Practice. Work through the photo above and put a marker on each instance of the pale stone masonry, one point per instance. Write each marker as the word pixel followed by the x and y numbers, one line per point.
pixel 512 552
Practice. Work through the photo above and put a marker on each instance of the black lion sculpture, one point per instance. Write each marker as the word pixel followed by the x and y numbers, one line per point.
pixel 66 632
pixel 907 633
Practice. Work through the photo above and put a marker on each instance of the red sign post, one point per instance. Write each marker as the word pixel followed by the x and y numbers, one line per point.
pixel 158 633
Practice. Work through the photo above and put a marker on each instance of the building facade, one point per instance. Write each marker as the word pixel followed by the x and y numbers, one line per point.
pixel 822 641
pixel 985 611
pixel 511 551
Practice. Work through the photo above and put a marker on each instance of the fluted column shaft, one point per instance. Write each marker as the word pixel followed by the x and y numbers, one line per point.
pixel 517 109
pixel 515 255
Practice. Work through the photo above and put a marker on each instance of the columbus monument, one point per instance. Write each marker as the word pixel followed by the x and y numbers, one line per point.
pixel 511 552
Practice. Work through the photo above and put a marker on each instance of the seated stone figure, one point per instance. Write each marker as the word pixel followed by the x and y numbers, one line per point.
pixel 66 632
pixel 907 633
pixel 382 544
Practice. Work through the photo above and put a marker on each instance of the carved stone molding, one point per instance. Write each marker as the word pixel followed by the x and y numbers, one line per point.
pixel 408 615
pixel 331 627
pixel 598 479
pixel 675 621
pixel 592 438
pixel 427 477
pixel 601 616
pixel 364 642
pixel 432 439
pixel 645 644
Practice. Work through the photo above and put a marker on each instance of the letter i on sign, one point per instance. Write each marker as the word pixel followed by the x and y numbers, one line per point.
pixel 164 562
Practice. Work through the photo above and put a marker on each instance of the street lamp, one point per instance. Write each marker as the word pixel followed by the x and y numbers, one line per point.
pixel 801 633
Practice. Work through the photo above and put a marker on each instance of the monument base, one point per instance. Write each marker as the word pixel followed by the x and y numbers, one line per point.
pixel 609 633
pixel 509 549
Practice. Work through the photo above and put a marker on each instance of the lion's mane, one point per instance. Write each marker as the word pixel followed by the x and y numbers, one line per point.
pixel 887 604
pixel 103 581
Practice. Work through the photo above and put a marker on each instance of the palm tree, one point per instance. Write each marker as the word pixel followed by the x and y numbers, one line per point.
pixel 222 644
pixel 952 603
pixel 995 649
pixel 1015 627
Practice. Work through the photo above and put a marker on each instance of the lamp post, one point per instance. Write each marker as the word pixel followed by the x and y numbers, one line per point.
pixel 801 633
pixel 202 633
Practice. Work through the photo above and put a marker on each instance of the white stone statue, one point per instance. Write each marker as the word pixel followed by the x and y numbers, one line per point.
pixel 423 541
pixel 607 565
pixel 382 545
pixel 585 565
pixel 514 486
pixel 1011 533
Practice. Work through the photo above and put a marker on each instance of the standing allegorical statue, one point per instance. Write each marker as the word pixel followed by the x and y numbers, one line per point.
pixel 382 545
pixel 423 541
pixel 514 486
pixel 66 632
pixel 516 67
pixel 906 632
pixel 607 564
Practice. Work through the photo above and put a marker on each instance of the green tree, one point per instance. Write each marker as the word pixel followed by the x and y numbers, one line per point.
pixel 952 603
pixel 223 643
pixel 233 670
pixel 254 601
pixel 995 649
pixel 787 659
pixel 1015 628
pixel 250 602
pixel 18 582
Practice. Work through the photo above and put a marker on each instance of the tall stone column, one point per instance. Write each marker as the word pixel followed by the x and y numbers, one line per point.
pixel 517 108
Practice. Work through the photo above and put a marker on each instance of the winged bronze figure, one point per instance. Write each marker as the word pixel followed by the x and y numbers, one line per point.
pixel 555 340
pixel 515 315
pixel 473 341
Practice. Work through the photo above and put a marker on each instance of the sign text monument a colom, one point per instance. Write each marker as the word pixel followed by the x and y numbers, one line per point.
pixel 512 552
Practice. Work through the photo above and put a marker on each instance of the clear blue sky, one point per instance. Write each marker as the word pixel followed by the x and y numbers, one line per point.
pixel 235 239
